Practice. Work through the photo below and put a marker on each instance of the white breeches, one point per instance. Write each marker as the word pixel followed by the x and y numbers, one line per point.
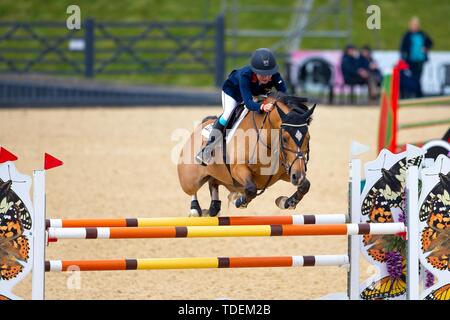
pixel 228 104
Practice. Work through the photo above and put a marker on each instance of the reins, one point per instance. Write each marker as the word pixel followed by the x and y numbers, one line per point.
pixel 258 135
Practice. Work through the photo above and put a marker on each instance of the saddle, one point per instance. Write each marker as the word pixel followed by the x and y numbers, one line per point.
pixel 231 125
pixel 235 116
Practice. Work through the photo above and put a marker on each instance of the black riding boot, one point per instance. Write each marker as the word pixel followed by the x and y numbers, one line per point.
pixel 205 156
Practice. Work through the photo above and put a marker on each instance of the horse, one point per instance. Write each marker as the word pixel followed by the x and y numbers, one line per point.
pixel 280 136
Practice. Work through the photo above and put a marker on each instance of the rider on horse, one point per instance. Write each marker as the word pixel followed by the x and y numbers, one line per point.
pixel 240 87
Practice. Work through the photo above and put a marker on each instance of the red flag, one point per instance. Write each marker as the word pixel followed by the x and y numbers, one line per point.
pixel 51 162
pixel 402 65
pixel 5 155
pixel 403 235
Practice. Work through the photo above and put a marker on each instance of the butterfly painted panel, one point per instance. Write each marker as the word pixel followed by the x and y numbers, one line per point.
pixel 383 201
pixel 434 215
pixel 387 287
pixel 15 228
pixel 441 293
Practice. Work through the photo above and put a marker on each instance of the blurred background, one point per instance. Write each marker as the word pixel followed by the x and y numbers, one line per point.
pixel 138 52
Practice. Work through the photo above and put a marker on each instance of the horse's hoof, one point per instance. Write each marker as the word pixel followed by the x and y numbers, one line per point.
pixel 282 202
pixel 196 210
pixel 194 213
pixel 240 203
pixel 232 196
pixel 214 208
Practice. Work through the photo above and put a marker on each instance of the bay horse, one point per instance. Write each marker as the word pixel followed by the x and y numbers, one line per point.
pixel 278 137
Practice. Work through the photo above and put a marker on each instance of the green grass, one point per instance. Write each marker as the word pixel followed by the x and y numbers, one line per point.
pixel 395 14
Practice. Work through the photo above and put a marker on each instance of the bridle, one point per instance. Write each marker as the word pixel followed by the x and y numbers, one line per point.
pixel 299 155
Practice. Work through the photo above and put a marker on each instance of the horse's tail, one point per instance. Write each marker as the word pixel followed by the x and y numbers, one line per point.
pixel 209 118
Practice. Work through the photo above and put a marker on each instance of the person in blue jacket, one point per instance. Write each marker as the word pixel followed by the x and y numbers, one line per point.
pixel 414 50
pixel 242 85
pixel 375 77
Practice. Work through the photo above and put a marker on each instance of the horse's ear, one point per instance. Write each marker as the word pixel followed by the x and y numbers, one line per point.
pixel 281 113
pixel 309 113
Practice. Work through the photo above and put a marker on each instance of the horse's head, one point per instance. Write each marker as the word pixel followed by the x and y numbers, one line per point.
pixel 294 118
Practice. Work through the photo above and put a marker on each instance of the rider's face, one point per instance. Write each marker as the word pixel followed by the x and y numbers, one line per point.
pixel 263 79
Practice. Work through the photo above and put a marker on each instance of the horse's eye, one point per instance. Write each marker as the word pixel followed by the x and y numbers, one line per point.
pixel 285 140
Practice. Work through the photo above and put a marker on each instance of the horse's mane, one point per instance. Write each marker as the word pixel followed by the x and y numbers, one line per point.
pixel 292 102
pixel 295 104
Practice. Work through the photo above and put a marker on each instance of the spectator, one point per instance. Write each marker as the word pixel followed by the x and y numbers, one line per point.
pixel 351 71
pixel 375 78
pixel 409 86
pixel 414 50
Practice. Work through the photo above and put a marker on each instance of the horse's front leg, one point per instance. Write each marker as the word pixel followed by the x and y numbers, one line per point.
pixel 291 202
pixel 243 175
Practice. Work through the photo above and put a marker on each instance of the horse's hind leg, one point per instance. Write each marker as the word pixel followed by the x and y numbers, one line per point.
pixel 196 210
pixel 192 178
pixel 214 207
pixel 244 176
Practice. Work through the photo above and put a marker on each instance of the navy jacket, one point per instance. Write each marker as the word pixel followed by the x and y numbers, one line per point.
pixel 364 63
pixel 242 85
pixel 406 45
pixel 349 67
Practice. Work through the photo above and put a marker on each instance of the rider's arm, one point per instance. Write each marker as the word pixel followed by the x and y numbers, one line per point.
pixel 247 97
pixel 280 85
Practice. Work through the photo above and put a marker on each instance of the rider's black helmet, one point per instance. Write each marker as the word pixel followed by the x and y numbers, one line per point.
pixel 263 62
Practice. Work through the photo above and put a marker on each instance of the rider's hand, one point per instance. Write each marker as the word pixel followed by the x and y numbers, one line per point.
pixel 266 106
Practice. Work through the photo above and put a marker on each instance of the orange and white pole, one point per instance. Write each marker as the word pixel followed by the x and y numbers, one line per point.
pixel 197 221
pixel 196 263
pixel 225 231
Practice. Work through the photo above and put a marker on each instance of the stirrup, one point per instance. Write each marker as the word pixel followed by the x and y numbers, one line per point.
pixel 199 158
pixel 201 155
